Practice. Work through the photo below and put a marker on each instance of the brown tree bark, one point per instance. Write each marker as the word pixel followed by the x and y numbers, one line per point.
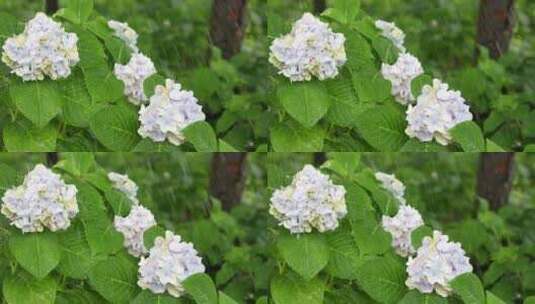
pixel 51 6
pixel 319 6
pixel 52 158
pixel 495 178
pixel 227 179
pixel 495 25
pixel 228 25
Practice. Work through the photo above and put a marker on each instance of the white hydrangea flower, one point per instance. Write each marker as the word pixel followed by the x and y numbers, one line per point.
pixel 124 32
pixel 311 201
pixel 437 110
pixel 393 33
pixel 393 185
pixel 437 262
pixel 310 49
pixel 401 74
pixel 124 184
pixel 43 200
pixel 401 227
pixel 139 68
pixel 170 262
pixel 139 220
pixel 43 49
pixel 171 109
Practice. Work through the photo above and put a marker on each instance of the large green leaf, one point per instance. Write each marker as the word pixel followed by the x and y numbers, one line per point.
pixel 115 279
pixel 290 288
pixel 306 254
pixel 383 279
pixel 77 163
pixel 292 137
pixel 371 86
pixel 39 101
pixel 21 288
pixel 9 26
pixel 343 11
pixel 224 299
pixel 100 233
pixel 76 257
pixel 383 127
pixel 22 136
pixel 77 11
pixel 148 297
pixel 78 106
pixel 344 255
pixel 8 178
pixel 307 102
pixel 415 297
pixel 116 127
pixel 202 136
pixel 469 288
pixel 38 253
pixel 469 136
pixel 201 287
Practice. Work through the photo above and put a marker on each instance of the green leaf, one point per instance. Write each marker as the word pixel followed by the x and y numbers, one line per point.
pixel 77 11
pixel 345 105
pixel 306 254
pixel 386 50
pixel 37 253
pixel 101 235
pixel 469 136
pixel 493 299
pixel 150 235
pixel 119 202
pixel 343 11
pixel 120 51
pixel 201 287
pixel 77 164
pixel 292 137
pixel 372 87
pixel 290 288
pixel 116 127
pixel 383 127
pixel 147 297
pixel 530 300
pixel 418 235
pixel 344 257
pixel 21 288
pixel 9 26
pixel 78 106
pixel 494 147
pixel 149 85
pixel 76 257
pixel 307 102
pixel 469 288
pixel 39 101
pixel 202 136
pixel 419 82
pixel 414 145
pixel 224 299
pixel 8 178
pixel 115 279
pixel 370 236
pixel 383 279
pixel 343 163
pixel 101 83
pixel 530 148
pixel 22 136
pixel 415 297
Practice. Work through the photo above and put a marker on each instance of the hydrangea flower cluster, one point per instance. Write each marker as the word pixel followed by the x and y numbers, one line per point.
pixel 391 184
pixel 438 261
pixel 43 200
pixel 401 74
pixel 43 49
pixel 125 185
pixel 170 262
pixel 133 74
pixel 310 49
pixel 311 201
pixel 125 33
pixel 171 109
pixel 438 109
pixel 393 33
pixel 401 227
pixel 139 220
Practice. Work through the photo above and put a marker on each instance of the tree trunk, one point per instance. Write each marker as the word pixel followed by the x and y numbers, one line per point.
pixel 227 179
pixel 228 25
pixel 319 6
pixel 51 6
pixel 495 25
pixel 495 178
pixel 52 159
